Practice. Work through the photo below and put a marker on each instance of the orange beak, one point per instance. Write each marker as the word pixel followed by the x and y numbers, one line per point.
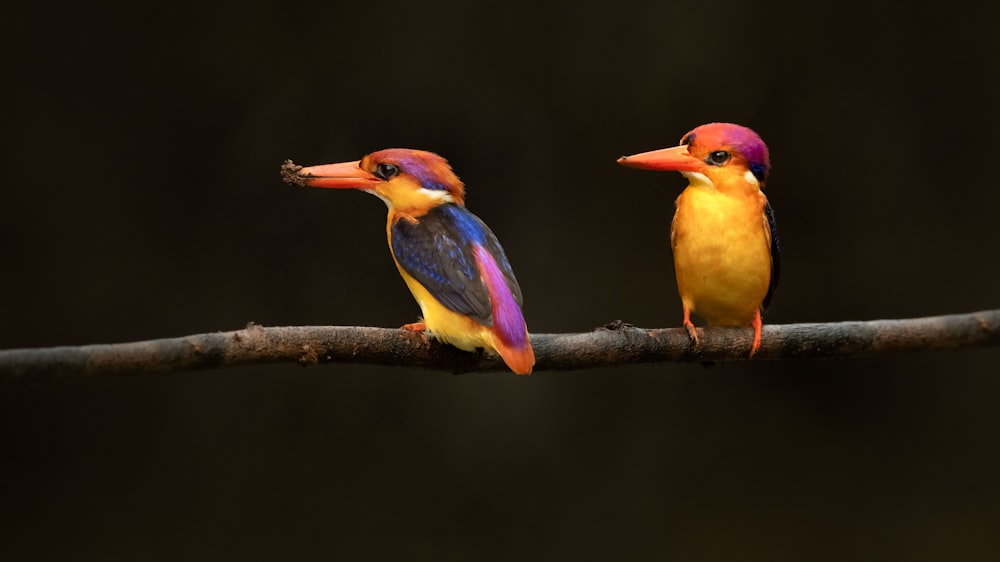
pixel 344 175
pixel 675 158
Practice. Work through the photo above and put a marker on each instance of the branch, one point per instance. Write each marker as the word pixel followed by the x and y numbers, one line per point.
pixel 608 346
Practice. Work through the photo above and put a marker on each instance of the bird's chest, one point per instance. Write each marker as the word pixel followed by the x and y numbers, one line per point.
pixel 720 248
pixel 715 225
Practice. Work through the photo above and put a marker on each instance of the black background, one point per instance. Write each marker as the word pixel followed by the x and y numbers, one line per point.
pixel 142 199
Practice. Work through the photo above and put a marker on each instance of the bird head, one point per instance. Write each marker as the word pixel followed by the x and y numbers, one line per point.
pixel 409 181
pixel 716 153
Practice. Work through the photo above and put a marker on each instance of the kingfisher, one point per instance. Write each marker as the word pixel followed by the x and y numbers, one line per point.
pixel 450 260
pixel 723 236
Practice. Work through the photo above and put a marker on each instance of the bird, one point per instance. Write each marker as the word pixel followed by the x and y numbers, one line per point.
pixel 449 258
pixel 727 258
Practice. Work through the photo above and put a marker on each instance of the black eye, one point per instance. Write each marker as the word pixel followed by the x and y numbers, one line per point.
pixel 717 158
pixel 386 171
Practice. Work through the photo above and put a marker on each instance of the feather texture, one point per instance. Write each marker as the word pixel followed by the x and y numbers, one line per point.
pixel 437 249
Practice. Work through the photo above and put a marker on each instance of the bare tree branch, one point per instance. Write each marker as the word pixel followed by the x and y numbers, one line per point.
pixel 615 344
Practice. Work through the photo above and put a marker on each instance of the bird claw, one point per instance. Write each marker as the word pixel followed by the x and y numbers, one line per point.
pixel 692 333
pixel 415 327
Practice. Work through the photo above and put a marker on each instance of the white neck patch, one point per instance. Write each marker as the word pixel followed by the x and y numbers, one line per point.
pixel 435 195
pixel 438 195
pixel 698 177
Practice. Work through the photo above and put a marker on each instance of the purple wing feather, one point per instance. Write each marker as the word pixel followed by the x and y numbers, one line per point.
pixel 508 320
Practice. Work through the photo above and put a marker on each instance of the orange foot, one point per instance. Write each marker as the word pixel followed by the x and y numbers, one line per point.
pixel 415 327
pixel 690 326
pixel 758 325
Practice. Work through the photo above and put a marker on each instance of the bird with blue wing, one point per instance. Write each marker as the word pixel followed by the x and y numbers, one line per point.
pixel 450 260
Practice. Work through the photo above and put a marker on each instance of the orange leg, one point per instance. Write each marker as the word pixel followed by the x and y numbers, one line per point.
pixel 758 325
pixel 690 326
pixel 416 327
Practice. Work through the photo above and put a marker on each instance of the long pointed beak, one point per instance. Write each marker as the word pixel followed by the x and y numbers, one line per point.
pixel 343 175
pixel 675 158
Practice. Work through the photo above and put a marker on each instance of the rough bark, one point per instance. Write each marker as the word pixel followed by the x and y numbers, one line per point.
pixel 611 345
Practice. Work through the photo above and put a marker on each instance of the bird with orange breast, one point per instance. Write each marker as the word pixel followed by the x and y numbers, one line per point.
pixel 723 237
pixel 450 260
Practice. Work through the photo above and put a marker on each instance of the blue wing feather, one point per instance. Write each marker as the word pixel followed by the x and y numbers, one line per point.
pixel 775 254
pixel 437 250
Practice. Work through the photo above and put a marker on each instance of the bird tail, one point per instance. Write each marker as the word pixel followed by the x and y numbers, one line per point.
pixel 520 358
pixel 508 332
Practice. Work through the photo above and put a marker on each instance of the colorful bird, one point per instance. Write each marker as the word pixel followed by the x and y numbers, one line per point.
pixel 450 260
pixel 725 246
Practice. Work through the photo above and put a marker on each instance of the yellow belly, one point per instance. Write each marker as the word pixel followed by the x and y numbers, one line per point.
pixel 722 256
pixel 450 327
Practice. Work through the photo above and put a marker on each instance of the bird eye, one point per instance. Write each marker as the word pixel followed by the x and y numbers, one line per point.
pixel 718 158
pixel 386 171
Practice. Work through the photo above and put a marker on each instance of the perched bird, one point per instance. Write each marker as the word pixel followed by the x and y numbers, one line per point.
pixel 725 246
pixel 450 260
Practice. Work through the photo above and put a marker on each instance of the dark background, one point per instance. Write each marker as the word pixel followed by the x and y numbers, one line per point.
pixel 142 199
